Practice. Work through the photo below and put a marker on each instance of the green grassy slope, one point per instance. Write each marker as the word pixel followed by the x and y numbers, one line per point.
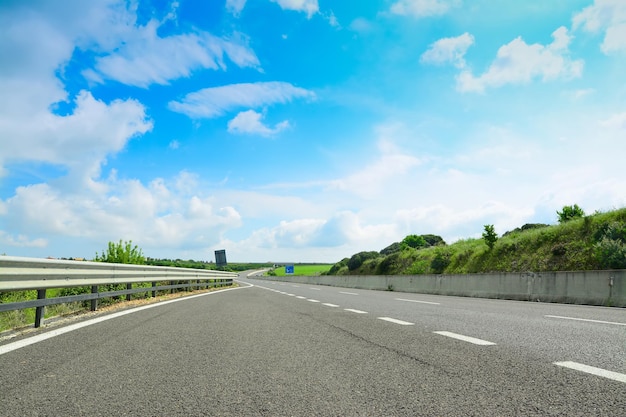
pixel 593 242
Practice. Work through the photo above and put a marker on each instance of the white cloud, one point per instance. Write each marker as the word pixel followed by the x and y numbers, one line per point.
pixel 80 141
pixel 310 7
pixel 235 6
pixel 150 215
pixel 145 58
pixel 422 8
pixel 21 241
pixel 608 16
pixel 214 102
pixel 250 122
pixel 361 25
pixel 518 63
pixel 615 121
pixel 369 181
pixel 449 50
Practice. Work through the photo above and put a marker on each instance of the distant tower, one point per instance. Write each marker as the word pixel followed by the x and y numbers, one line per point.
pixel 220 258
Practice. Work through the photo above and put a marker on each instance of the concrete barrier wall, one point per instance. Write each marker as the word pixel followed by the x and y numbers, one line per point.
pixel 581 287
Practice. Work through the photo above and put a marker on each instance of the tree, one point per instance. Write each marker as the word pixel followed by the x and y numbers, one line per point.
pixel 569 213
pixel 490 235
pixel 413 241
pixel 122 253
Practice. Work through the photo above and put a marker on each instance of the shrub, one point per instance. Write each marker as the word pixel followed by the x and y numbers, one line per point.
pixel 611 253
pixel 569 213
pixel 394 247
pixel 413 241
pixel 357 260
pixel 440 262
pixel 122 253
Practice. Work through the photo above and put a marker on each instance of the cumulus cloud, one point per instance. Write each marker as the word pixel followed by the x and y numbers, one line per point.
pixel 250 122
pixel 310 7
pixel 422 8
pixel 448 50
pixel 41 40
pixel 86 136
pixel 215 101
pixel 609 17
pixel 162 211
pixel 518 63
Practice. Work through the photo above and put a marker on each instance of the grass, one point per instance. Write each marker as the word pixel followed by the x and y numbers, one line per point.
pixel 571 246
pixel 17 319
pixel 304 270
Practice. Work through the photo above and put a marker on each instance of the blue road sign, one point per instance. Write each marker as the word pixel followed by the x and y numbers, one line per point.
pixel 289 269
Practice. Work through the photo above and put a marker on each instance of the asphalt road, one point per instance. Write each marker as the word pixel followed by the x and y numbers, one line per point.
pixel 274 349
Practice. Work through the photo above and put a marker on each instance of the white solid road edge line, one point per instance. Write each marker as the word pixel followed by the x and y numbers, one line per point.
pixel 396 321
pixel 589 320
pixel 615 376
pixel 466 338
pixel 9 347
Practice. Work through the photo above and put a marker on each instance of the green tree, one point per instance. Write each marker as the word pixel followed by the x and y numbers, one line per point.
pixel 490 235
pixel 122 253
pixel 413 241
pixel 569 213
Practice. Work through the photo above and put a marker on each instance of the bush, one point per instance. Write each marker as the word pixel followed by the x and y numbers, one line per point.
pixel 440 262
pixel 413 241
pixel 611 253
pixel 569 213
pixel 393 248
pixel 357 260
pixel 122 253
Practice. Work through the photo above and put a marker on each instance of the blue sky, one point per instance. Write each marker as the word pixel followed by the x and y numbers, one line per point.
pixel 302 130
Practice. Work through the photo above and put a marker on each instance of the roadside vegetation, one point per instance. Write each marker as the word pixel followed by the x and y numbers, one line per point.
pixel 577 242
pixel 301 269
pixel 116 252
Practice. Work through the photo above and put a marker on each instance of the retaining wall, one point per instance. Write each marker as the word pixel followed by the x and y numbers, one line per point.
pixel 580 287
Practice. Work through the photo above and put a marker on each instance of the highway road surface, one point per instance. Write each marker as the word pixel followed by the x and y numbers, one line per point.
pixel 279 349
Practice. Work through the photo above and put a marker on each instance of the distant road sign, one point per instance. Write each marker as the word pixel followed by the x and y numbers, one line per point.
pixel 289 269
pixel 220 258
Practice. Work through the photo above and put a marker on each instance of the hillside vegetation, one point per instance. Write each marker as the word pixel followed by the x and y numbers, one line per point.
pixel 591 242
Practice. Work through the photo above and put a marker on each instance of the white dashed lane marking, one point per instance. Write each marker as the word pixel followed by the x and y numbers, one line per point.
pixel 355 311
pixel 396 321
pixel 465 338
pixel 417 301
pixel 348 293
pixel 330 305
pixel 313 301
pixel 615 376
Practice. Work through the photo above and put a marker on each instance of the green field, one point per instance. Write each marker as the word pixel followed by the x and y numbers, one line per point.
pixel 305 270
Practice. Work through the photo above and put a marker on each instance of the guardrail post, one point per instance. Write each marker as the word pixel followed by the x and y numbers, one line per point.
pixel 153 289
pixel 39 311
pixel 94 302
pixel 129 286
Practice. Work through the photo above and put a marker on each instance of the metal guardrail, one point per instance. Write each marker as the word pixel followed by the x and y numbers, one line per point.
pixel 19 274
